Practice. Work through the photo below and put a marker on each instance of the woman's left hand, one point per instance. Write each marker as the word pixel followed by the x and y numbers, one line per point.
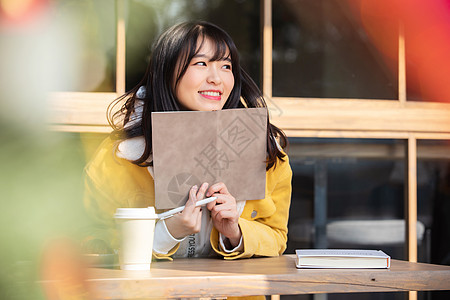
pixel 224 213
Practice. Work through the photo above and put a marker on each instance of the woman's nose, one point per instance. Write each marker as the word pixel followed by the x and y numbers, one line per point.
pixel 214 76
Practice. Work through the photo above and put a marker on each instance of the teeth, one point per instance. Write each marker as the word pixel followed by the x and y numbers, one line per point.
pixel 215 94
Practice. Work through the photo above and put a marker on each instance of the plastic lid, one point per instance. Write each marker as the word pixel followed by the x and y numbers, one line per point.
pixel 136 213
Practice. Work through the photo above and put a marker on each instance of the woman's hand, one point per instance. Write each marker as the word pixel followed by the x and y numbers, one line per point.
pixel 188 221
pixel 224 213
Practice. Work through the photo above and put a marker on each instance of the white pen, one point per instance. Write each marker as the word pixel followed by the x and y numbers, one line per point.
pixel 171 212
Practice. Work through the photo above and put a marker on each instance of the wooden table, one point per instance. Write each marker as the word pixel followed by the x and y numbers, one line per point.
pixel 259 276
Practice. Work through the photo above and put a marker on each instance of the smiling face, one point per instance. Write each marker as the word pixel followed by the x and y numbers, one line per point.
pixel 206 84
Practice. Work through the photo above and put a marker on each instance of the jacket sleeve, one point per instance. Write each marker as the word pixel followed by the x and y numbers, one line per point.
pixel 265 235
pixel 100 207
pixel 110 183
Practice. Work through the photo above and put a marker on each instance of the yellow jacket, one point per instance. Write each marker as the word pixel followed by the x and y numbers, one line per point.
pixel 113 182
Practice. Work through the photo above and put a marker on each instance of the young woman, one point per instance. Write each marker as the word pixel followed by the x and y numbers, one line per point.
pixel 193 66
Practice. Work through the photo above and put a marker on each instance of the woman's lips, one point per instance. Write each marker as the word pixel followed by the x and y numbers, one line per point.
pixel 212 95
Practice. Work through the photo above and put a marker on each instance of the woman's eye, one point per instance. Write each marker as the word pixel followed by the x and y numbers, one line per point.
pixel 200 63
pixel 228 67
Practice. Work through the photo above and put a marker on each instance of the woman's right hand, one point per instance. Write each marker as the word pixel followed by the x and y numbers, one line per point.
pixel 188 221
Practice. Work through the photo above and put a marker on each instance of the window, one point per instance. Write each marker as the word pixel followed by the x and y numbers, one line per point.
pixel 89 30
pixel 323 49
pixel 147 19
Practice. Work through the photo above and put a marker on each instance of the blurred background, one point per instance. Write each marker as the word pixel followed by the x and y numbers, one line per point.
pixel 63 61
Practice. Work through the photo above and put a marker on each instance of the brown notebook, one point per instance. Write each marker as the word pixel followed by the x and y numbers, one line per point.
pixel 193 147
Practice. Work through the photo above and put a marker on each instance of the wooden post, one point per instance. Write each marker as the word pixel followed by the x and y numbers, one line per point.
pixel 411 200
pixel 120 44
pixel 411 204
pixel 267 58
pixel 401 65
pixel 267 49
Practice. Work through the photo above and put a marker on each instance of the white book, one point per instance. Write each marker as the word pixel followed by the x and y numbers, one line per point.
pixel 342 259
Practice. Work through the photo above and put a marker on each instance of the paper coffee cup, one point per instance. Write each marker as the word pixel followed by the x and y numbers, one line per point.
pixel 137 227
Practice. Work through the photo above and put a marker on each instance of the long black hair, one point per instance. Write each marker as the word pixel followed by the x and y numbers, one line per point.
pixel 171 54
